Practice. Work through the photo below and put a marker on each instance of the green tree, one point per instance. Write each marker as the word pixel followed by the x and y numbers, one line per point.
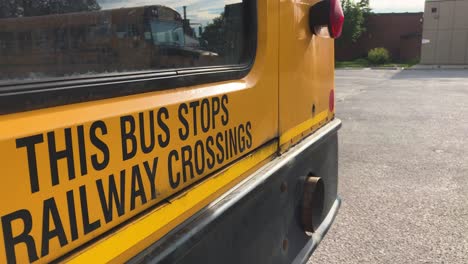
pixel 24 8
pixel 354 26
pixel 364 4
pixel 10 8
pixel 213 35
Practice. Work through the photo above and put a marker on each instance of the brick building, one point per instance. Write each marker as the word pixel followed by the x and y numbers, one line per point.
pixel 400 33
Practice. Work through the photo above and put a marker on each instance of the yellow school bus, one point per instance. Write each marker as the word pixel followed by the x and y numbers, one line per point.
pixel 167 131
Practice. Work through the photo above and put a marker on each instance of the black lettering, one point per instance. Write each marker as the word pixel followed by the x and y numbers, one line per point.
pixel 194 106
pixel 233 141
pixel 225 117
pixel 137 191
pixel 72 215
pixel 241 138
pixel 99 144
pixel 30 144
pixel 205 115
pixel 185 131
pixel 128 152
pixel 220 155
pixel 248 127
pixel 210 161
pixel 187 162
pixel 87 226
pixel 199 160
pixel 173 182
pixel 82 151
pixel 163 142
pixel 215 110
pixel 147 148
pixel 113 196
pixel 226 145
pixel 50 210
pixel 24 237
pixel 56 155
pixel 151 173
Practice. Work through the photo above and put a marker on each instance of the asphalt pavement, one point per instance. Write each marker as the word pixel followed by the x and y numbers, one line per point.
pixel 403 168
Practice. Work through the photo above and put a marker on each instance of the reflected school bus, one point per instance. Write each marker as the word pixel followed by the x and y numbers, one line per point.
pixel 123 39
pixel 140 135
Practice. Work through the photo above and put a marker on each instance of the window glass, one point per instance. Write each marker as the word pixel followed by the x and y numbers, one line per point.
pixel 59 38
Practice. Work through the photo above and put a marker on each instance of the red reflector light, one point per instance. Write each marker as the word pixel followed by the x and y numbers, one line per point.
pixel 331 101
pixel 336 18
pixel 326 19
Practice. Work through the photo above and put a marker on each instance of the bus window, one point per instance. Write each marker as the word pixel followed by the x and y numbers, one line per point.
pixel 82 38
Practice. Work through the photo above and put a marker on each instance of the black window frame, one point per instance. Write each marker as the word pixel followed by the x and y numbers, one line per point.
pixel 20 96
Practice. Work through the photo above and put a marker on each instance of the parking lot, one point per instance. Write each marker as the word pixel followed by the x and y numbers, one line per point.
pixel 403 168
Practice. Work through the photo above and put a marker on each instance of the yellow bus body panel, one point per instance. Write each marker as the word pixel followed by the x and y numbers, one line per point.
pixel 50 205
pixel 306 74
pixel 284 98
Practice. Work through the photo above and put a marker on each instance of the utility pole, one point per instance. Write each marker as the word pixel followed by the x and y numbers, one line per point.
pixel 26 8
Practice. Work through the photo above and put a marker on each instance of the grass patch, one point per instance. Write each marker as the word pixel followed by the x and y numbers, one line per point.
pixel 359 63
pixel 364 63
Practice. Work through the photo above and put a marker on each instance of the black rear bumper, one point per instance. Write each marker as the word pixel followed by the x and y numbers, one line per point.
pixel 259 221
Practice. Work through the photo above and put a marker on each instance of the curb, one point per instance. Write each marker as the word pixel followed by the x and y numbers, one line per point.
pixel 372 68
pixel 439 67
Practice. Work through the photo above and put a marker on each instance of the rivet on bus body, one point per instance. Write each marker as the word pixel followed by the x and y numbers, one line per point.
pixel 285 244
pixel 283 187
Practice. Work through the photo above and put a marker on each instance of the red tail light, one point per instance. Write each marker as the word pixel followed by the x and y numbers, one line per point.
pixel 326 18
pixel 336 18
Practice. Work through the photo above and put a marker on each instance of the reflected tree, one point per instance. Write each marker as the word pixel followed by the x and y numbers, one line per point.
pixel 10 8
pixel 25 8
pixel 213 35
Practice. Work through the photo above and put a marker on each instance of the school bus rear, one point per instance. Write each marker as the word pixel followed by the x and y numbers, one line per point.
pixel 191 132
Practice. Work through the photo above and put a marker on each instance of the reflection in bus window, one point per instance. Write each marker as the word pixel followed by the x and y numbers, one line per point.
pixel 59 38
pixel 167 33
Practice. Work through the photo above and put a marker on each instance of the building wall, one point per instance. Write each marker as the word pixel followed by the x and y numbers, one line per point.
pixel 445 32
pixel 400 33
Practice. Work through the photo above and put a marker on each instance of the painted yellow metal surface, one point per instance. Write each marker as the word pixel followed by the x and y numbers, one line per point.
pixel 140 165
pixel 72 173
pixel 149 228
pixel 306 74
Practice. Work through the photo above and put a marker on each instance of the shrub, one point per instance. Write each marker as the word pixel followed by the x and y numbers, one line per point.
pixel 362 61
pixel 378 56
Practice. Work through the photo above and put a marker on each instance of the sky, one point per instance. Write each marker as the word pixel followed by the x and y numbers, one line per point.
pixel 203 11
pixel 198 11
pixel 386 6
